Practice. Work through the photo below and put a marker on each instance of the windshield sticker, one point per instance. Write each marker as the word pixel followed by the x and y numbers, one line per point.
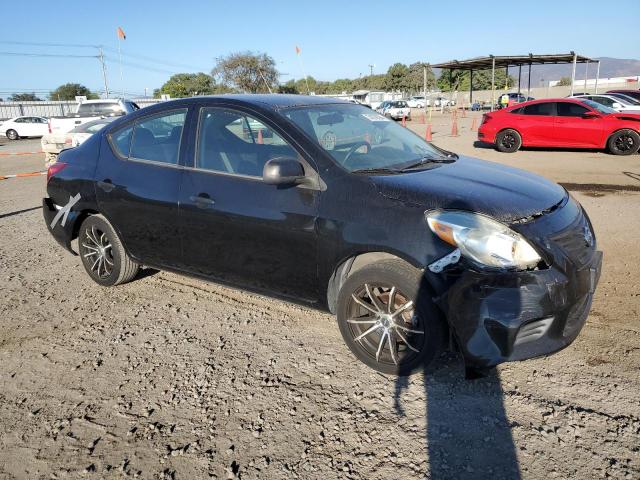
pixel 328 140
pixel 375 117
pixel 64 211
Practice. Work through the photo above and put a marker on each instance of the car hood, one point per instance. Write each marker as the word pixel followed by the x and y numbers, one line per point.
pixel 504 193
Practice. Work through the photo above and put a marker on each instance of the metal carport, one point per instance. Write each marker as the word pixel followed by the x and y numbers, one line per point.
pixel 493 61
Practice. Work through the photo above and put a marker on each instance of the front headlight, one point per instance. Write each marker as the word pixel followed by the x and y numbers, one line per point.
pixel 483 239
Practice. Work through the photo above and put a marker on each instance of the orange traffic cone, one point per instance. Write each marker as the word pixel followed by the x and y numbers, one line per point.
pixel 454 128
pixel 260 139
pixel 404 121
pixel 464 112
pixel 427 136
pixel 474 127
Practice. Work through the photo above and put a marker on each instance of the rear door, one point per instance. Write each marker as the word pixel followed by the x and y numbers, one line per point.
pixel 236 228
pixel 536 124
pixel 137 183
pixel 573 129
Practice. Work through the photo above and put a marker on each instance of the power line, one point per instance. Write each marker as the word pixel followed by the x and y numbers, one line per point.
pixel 29 54
pixel 143 67
pixel 155 60
pixel 39 44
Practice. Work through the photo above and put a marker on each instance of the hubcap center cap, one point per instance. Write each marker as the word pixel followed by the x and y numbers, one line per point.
pixel 386 321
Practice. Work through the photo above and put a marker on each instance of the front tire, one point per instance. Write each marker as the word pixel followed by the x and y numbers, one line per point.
pixel 12 135
pixel 102 254
pixel 387 318
pixel 508 141
pixel 624 142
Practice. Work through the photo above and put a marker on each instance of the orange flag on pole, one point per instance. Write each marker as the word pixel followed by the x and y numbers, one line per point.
pixel 121 34
pixel 297 50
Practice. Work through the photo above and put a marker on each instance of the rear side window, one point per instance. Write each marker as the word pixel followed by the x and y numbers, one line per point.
pixel 121 141
pixel 546 109
pixel 566 109
pixel 154 139
pixel 157 138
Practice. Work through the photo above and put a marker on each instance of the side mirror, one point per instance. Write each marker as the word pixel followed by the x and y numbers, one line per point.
pixel 283 171
pixel 590 115
pixel 616 105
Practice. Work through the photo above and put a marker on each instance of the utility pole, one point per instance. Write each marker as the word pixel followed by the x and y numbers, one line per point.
pixel 371 69
pixel 424 85
pixel 104 72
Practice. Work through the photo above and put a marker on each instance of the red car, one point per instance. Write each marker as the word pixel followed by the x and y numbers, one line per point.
pixel 561 122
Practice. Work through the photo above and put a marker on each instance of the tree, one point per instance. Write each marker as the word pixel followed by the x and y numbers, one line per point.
pixel 247 71
pixel 416 77
pixel 459 80
pixel 564 82
pixel 69 91
pixel 397 78
pixel 190 84
pixel 24 97
pixel 289 87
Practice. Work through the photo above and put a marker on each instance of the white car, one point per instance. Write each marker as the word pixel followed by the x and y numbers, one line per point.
pixel 54 143
pixel 17 127
pixel 617 103
pixel 396 109
pixel 444 102
pixel 417 101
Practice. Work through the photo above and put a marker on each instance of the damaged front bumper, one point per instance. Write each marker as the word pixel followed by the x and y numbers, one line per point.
pixel 499 316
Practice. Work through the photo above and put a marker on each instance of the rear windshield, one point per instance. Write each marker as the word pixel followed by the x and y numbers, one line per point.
pixel 105 108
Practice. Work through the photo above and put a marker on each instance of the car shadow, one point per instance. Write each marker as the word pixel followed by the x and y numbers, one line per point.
pixel 468 434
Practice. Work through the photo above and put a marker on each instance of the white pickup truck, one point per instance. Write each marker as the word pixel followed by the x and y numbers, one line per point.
pixel 91 110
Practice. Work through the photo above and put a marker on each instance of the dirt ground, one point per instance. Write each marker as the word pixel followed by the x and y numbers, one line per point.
pixel 173 378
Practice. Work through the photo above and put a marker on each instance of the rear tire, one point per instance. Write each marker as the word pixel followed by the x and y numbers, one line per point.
pixel 391 296
pixel 102 254
pixel 508 141
pixel 12 135
pixel 624 142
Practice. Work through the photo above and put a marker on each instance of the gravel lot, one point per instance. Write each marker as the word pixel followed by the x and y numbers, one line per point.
pixel 173 378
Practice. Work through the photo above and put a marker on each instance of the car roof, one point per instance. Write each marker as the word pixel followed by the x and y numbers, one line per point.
pixel 279 100
pixel 543 100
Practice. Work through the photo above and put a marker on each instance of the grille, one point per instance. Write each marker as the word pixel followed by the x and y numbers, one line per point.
pixel 574 241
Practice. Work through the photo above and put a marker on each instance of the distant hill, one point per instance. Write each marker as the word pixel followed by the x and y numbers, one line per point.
pixel 609 67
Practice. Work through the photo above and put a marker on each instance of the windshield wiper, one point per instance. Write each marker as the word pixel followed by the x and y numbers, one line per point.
pixel 376 171
pixel 427 160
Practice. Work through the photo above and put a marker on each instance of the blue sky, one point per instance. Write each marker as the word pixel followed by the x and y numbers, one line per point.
pixel 337 38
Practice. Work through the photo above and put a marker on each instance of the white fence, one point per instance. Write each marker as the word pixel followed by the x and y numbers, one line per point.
pixel 51 108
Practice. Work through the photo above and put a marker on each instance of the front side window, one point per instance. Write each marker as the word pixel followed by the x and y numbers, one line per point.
pixel 567 109
pixel 358 138
pixel 544 109
pixel 235 143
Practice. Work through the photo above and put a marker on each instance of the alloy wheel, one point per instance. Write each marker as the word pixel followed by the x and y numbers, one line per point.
pixel 508 140
pixel 624 143
pixel 382 321
pixel 97 251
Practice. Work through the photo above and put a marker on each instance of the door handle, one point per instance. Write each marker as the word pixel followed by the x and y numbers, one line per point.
pixel 202 201
pixel 106 185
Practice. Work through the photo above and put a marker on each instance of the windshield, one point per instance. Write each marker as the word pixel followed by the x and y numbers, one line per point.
pixel 598 106
pixel 358 138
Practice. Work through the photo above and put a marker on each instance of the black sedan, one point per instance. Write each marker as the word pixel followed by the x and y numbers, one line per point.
pixel 331 204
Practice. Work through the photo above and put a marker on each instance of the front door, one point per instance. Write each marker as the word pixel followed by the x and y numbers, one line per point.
pixel 137 184
pixel 573 129
pixel 238 229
